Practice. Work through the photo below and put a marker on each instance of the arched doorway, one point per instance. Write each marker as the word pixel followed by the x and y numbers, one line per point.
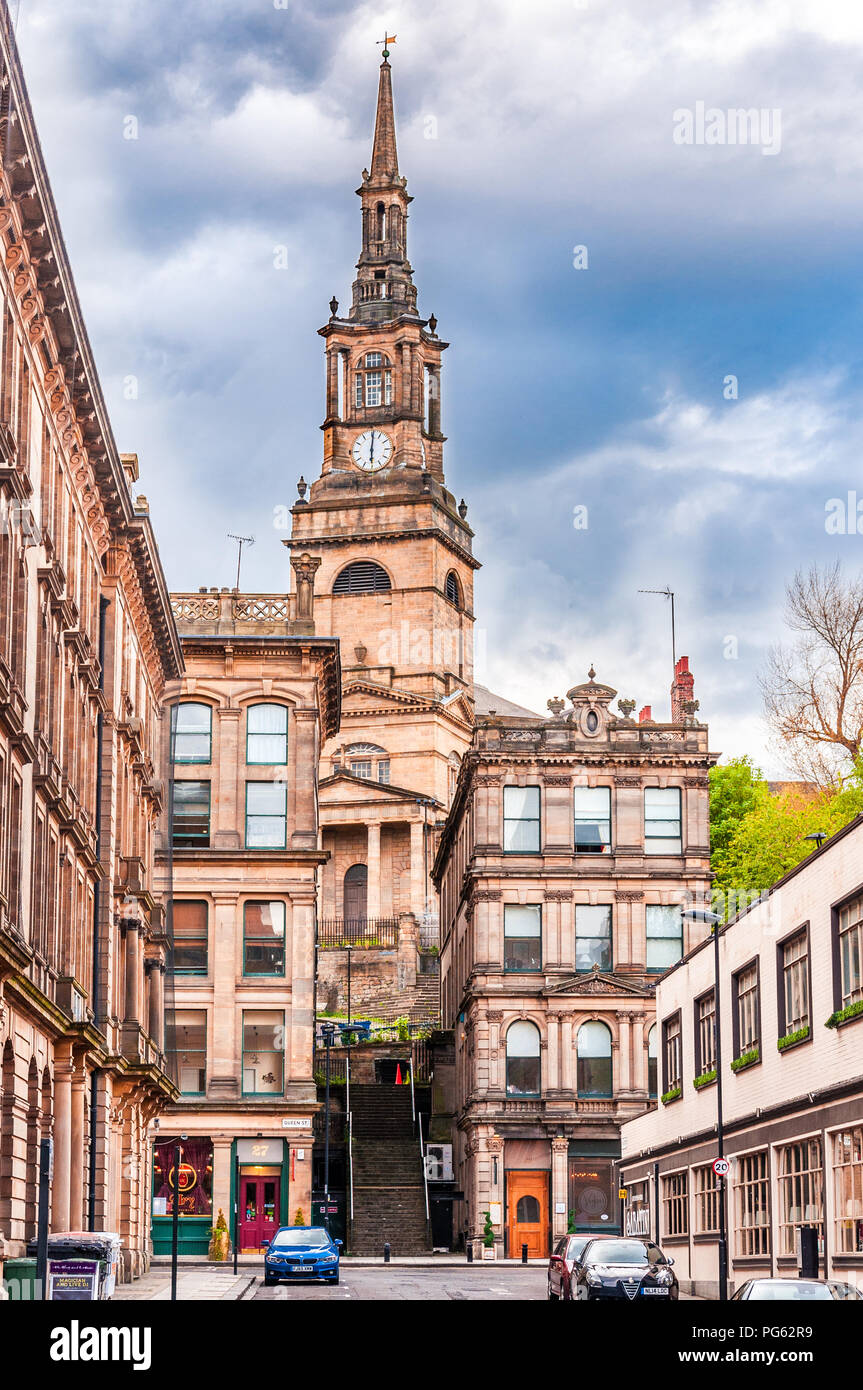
pixel 356 887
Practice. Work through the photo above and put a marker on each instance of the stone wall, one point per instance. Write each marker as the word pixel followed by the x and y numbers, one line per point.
pixel 384 983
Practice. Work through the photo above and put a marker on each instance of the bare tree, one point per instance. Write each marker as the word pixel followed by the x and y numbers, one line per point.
pixel 813 688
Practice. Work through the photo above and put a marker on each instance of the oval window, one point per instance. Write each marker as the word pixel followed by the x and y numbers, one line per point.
pixel 592 722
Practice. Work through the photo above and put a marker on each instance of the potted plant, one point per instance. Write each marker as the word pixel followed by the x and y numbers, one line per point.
pixel 299 1219
pixel 488 1247
pixel 220 1243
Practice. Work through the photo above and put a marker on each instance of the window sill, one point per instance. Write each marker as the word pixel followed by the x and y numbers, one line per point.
pixel 844 1022
pixel 800 1042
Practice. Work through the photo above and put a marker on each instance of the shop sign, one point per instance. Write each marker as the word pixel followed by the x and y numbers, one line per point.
pixel 73 1280
pixel 259 1151
pixel 638 1222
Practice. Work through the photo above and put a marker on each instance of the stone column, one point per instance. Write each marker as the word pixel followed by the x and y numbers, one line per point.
pixel 559 1186
pixel 332 383
pixel 299 1039
pixel 625 1078
pixel 222 1182
pixel 492 910
pixel 641 1027
pixel 305 568
pixel 63 1069
pixel 418 891
pixel 224 1046
pixel 305 832
pixel 373 860
pixel 406 376
pixel 76 1156
pixel 553 1052
pixel 156 1009
pixel 566 1053
pixel 132 932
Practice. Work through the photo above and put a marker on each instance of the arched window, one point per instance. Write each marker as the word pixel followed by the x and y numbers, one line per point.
pixel 527 1211
pixel 522 1060
pixel 368 760
pixel 380 222
pixel 453 589
pixel 373 380
pixel 651 1062
pixel 356 886
pixel 594 1060
pixel 191 730
pixel 362 577
pixel 452 775
pixel 267 734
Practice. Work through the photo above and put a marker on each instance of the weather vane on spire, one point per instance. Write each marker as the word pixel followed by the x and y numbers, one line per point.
pixel 387 39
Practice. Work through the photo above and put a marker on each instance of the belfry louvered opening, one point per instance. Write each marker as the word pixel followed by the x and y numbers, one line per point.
pixel 362 577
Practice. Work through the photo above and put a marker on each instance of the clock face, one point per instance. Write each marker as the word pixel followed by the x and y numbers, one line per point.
pixel 372 450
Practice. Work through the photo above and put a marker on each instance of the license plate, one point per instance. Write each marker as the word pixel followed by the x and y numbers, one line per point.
pixel 298 1269
pixel 659 1291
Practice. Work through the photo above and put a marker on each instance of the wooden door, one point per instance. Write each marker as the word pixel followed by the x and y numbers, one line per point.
pixel 356 893
pixel 259 1211
pixel 527 1213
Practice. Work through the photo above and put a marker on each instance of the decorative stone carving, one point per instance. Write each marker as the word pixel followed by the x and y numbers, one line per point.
pixel 557 781
pixel 558 895
pixel 627 781
pixel 628 895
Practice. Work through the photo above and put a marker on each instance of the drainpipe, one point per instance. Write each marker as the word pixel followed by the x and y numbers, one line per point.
pixel 97 898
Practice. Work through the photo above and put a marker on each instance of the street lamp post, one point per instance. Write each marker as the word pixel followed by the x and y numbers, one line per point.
pixel 328 1029
pixel 701 914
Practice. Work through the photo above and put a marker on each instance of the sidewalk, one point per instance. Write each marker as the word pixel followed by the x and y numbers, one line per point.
pixel 351 1262
pixel 208 1282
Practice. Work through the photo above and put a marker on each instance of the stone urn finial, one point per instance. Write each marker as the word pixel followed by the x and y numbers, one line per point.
pixel 360 652
pixel 626 708
pixel 334 307
pixel 591 675
pixel 302 488
pixel 462 509
pixel 432 322
pixel 556 705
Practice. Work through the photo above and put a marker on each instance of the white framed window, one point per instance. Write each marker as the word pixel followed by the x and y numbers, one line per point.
pixel 373 388
pixel 521 820
pixel 374 359
pixel 801 1173
pixel 848 1191
pixel 522 937
pixel 675 1204
pixel 752 1204
pixel 745 989
pixel 706 1194
pixel 851 952
pixel 662 820
pixel 664 927
pixel 592 815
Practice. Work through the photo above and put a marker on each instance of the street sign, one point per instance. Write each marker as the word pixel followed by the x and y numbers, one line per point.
pixel 721 1167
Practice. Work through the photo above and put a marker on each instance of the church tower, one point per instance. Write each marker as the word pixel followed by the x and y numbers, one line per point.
pixel 389 553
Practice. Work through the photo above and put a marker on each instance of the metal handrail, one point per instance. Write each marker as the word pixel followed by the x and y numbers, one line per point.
pixel 413 1098
pixel 425 1169
pixel 350 1119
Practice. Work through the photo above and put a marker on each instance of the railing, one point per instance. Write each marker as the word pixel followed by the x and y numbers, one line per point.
pixel 421 1064
pixel 429 934
pixel 425 1170
pixel 363 932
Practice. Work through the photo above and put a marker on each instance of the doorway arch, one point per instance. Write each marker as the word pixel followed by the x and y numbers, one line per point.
pixel 355 893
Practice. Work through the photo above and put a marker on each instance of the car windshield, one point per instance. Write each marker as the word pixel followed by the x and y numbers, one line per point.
pixel 311 1238
pixel 622 1252
pixel 783 1290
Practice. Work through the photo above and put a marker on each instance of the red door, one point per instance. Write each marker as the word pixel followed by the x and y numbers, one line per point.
pixel 259 1211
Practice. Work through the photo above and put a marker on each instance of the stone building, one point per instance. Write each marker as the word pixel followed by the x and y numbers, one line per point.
pixel 391 564
pixel 792 1089
pixel 87 644
pixel 570 845
pixel 240 860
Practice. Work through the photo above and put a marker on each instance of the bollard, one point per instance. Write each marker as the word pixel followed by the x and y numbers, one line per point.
pixel 524 1254
pixel 469 1252
pixel 386 1252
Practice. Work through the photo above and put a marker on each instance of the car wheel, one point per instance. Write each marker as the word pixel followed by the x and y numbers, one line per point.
pixel 335 1280
pixel 268 1281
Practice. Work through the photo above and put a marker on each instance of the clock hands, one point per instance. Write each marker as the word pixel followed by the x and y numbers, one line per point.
pixel 372 448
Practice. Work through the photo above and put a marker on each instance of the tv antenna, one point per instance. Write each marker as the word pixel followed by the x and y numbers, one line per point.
pixel 667 593
pixel 241 541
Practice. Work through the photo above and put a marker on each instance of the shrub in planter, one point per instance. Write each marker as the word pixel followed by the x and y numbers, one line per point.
pixel 668 1096
pixel 746 1059
pixel 791 1038
pixel 299 1219
pixel 220 1242
pixel 488 1237
pixel 841 1015
pixel 704 1079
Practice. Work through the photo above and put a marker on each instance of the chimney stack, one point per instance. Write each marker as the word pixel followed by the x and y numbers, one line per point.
pixel 682 688
pixel 645 715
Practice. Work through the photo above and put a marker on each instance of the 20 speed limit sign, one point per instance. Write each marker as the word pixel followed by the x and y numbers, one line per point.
pixel 721 1167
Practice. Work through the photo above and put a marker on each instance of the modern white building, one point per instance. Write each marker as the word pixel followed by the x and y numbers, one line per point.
pixel 791 1013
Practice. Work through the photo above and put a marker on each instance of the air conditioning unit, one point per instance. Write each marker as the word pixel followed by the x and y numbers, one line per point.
pixel 439 1163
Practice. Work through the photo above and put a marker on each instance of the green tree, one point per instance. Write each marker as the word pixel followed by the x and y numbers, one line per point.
pixel 769 838
pixel 736 789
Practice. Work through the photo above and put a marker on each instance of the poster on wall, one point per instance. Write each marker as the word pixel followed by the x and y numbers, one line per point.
pixel 195 1181
pixel 73 1281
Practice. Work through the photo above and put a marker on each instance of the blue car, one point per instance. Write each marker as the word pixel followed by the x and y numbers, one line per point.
pixel 302 1252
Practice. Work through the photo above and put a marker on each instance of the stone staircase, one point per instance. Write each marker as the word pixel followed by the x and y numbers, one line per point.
pixel 389 1194
pixel 420 1004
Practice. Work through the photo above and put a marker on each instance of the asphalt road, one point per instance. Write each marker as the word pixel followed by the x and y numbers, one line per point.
pixel 400 1284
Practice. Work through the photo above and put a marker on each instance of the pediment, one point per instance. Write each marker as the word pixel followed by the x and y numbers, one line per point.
pixel 368 695
pixel 343 787
pixel 598 982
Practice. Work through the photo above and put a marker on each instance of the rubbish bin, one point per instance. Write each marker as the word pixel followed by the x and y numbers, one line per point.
pixel 19 1278
pixel 82 1265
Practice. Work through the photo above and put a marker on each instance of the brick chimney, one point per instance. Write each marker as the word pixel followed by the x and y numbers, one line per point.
pixel 682 689
pixel 645 715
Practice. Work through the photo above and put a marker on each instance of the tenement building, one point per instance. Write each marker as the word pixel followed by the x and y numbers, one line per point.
pixel 572 843
pixel 87 644
pixel 391 563
pixel 240 861
pixel 791 1014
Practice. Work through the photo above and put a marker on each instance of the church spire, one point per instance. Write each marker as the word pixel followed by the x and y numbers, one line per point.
pixel 385 160
pixel 384 287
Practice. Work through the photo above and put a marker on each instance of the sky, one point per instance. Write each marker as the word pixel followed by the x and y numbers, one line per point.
pixel 655 372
